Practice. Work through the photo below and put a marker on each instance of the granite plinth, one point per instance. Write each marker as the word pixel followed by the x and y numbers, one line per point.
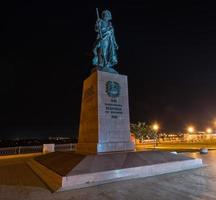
pixel 104 69
pixel 84 171
pixel 104 120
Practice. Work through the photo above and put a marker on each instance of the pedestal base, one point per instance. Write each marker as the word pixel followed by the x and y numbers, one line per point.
pixel 115 146
pixel 64 171
pixel 86 148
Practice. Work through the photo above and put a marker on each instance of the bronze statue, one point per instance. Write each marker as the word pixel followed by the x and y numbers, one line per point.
pixel 105 47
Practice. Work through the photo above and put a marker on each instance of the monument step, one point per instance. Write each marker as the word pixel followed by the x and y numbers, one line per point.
pixel 97 169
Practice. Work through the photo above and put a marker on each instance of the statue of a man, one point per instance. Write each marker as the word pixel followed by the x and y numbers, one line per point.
pixel 105 46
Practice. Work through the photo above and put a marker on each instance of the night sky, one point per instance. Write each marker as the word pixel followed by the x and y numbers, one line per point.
pixel 167 49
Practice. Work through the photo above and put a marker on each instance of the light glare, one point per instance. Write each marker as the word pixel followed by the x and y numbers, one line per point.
pixel 190 129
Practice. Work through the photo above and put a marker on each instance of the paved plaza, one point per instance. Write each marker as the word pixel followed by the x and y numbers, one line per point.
pixel 19 182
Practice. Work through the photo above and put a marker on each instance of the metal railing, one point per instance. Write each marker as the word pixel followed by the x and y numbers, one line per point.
pixel 20 150
pixel 35 149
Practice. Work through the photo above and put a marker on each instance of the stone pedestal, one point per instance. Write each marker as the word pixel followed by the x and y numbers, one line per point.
pixel 48 148
pixel 104 120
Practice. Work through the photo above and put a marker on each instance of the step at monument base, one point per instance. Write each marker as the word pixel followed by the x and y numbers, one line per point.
pixel 98 169
pixel 87 148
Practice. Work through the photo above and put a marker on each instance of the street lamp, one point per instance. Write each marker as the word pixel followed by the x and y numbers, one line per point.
pixel 155 127
pixel 208 130
pixel 190 129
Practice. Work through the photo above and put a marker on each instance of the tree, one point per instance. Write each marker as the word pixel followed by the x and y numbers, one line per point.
pixel 143 131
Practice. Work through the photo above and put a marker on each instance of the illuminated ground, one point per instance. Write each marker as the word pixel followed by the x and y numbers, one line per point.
pixel 19 182
pixel 179 147
pixel 15 171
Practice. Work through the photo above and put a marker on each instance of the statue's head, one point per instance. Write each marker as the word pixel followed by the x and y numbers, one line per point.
pixel 106 15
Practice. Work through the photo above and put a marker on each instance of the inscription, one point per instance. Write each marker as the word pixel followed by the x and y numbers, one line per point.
pixel 114 100
pixel 114 116
pixel 113 109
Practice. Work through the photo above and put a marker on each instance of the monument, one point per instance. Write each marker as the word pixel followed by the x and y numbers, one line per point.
pixel 104 121
pixel 104 150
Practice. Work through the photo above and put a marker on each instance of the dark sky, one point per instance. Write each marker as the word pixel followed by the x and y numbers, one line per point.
pixel 167 49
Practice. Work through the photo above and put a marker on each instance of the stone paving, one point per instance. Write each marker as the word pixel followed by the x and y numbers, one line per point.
pixel 192 184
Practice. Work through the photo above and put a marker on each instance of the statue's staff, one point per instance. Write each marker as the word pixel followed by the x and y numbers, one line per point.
pixel 98 23
pixel 100 36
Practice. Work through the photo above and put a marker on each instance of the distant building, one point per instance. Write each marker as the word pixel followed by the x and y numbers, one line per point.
pixel 170 137
pixel 59 138
pixel 198 136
